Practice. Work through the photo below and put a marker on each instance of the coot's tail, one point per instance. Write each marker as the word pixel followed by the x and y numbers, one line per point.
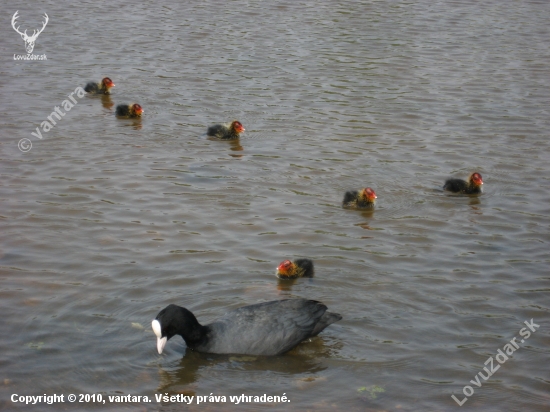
pixel 327 319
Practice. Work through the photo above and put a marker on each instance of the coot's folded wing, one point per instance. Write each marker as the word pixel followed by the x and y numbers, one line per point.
pixel 269 328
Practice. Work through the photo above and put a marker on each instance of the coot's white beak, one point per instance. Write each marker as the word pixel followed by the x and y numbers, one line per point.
pixel 161 341
pixel 160 344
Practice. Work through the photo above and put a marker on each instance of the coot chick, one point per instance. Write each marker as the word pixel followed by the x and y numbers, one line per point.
pixel 363 198
pixel 269 328
pixel 470 187
pixel 296 269
pixel 103 87
pixel 226 131
pixel 129 110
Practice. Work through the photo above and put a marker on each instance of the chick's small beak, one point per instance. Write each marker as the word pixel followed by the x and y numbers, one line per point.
pixel 281 272
pixel 282 267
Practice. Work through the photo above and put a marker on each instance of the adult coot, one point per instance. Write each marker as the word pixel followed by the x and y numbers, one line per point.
pixel 470 187
pixel 226 131
pixel 129 110
pixel 269 328
pixel 103 87
pixel 363 198
pixel 295 269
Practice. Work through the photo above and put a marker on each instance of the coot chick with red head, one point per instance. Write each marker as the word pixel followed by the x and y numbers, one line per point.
pixel 103 87
pixel 300 268
pixel 270 328
pixel 359 199
pixel 129 110
pixel 226 131
pixel 470 187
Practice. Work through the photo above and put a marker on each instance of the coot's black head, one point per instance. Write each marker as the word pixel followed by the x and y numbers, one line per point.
pixel 173 320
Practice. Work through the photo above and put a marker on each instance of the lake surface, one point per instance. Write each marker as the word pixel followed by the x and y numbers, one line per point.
pixel 106 221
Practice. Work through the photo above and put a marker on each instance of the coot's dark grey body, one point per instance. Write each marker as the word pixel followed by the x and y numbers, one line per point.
pixel 269 328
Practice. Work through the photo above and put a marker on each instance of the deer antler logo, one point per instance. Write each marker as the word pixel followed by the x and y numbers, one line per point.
pixel 29 40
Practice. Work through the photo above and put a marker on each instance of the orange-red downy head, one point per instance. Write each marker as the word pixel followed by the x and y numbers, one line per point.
pixel 237 126
pixel 369 194
pixel 285 268
pixel 107 82
pixel 138 110
pixel 476 179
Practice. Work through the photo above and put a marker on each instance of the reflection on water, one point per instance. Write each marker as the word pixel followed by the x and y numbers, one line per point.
pixel 194 366
pixel 287 284
pixel 107 101
pixel 105 220
pixel 301 369
pixel 235 146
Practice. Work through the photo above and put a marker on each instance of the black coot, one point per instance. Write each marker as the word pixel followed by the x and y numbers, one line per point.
pixel 269 328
